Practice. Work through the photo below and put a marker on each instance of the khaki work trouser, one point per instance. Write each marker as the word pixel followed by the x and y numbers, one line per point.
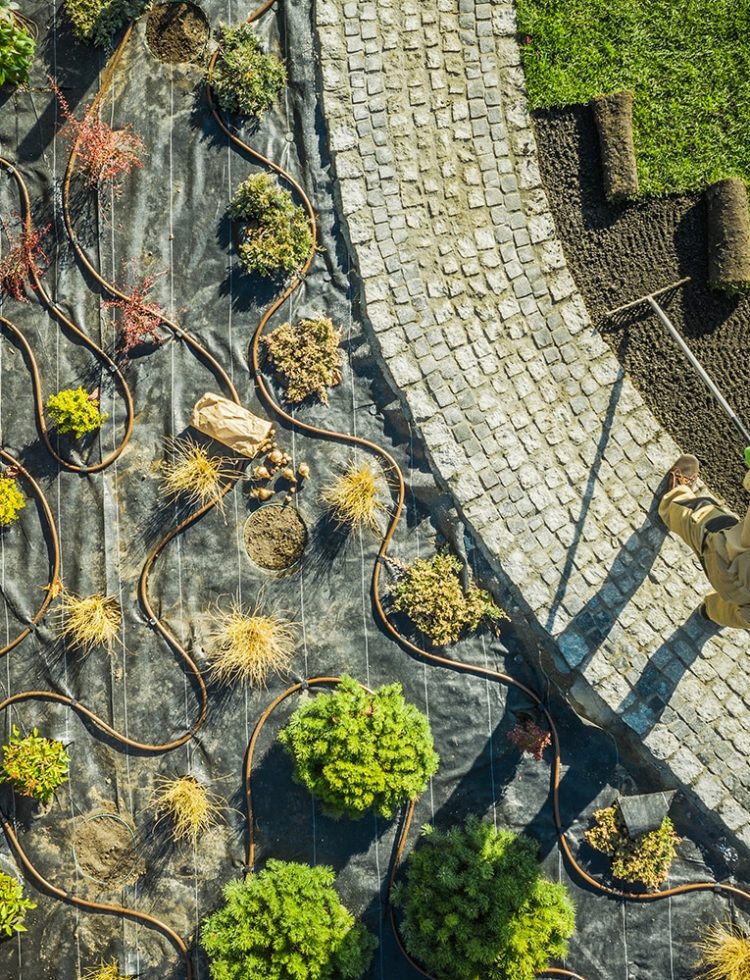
pixel 687 514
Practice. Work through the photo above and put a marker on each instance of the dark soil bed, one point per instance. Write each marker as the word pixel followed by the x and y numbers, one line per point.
pixel 177 32
pixel 618 252
pixel 104 848
pixel 275 537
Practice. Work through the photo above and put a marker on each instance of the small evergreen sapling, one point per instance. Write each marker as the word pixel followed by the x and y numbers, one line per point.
pixel 357 750
pixel 276 237
pixel 476 905
pixel 245 79
pixel 34 765
pixel 429 591
pixel 285 922
pixel 13 906
pixel 74 411
pixel 643 860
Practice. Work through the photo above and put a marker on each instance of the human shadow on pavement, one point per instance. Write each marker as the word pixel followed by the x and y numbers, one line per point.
pixel 653 690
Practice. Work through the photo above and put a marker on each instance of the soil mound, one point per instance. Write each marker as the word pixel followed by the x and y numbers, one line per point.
pixel 177 32
pixel 104 848
pixel 275 537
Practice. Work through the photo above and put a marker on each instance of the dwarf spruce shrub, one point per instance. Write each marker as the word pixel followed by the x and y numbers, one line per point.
pixel 276 238
pixel 245 79
pixel 34 765
pixel 644 860
pixel 357 750
pixel 13 906
pixel 16 47
pixel 429 591
pixel 73 411
pixel 307 357
pixel 285 922
pixel 477 907
pixel 95 21
pixel 11 500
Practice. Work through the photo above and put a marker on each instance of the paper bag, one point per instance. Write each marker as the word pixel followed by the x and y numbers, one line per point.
pixel 230 424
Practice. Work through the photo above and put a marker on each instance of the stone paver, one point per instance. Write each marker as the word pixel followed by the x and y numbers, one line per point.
pixel 548 449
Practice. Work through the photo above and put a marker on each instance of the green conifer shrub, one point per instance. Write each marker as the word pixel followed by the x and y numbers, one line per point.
pixel 429 591
pixel 245 79
pixel 276 236
pixel 358 751
pixel 95 21
pixel 285 922
pixel 11 500
pixel 16 46
pixel 643 860
pixel 73 411
pixel 477 907
pixel 307 357
pixel 13 906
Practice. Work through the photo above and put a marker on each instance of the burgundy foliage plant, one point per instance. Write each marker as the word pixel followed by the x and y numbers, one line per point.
pixel 529 737
pixel 24 255
pixel 139 318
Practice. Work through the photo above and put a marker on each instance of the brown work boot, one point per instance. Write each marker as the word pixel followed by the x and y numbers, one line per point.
pixel 685 472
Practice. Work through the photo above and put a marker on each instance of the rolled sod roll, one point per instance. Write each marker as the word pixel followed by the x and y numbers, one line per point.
pixel 728 235
pixel 614 120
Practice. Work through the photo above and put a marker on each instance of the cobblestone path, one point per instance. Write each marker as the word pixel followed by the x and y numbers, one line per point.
pixel 549 451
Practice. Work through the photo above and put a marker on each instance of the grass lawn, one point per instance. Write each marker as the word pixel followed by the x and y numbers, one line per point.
pixel 688 62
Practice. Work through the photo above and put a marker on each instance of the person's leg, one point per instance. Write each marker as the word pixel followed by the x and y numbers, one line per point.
pixel 725 613
pixel 686 513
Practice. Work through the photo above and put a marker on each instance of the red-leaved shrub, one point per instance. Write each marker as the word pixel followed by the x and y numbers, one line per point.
pixel 139 319
pixel 103 153
pixel 528 737
pixel 23 257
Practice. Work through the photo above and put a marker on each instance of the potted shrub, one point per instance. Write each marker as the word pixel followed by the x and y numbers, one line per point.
pixel 74 411
pixel 358 750
pixel 245 79
pixel 95 21
pixel 643 860
pixel 306 357
pixel 13 906
pixel 276 236
pixel 429 591
pixel 16 46
pixel 12 501
pixel 285 921
pixel 34 765
pixel 475 904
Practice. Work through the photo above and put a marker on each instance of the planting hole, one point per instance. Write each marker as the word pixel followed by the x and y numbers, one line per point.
pixel 104 848
pixel 177 32
pixel 275 537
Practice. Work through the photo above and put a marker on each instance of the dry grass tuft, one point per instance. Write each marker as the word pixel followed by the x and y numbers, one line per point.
pixel 725 953
pixel 90 621
pixel 248 648
pixel 194 475
pixel 353 498
pixel 191 808
pixel 106 971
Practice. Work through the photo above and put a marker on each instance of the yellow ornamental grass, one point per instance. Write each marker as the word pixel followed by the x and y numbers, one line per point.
pixel 725 953
pixel 247 648
pixel 90 621
pixel 192 474
pixel 191 808
pixel 353 498
pixel 105 971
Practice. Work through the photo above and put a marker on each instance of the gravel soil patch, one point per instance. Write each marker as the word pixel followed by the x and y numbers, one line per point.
pixel 177 32
pixel 275 537
pixel 618 252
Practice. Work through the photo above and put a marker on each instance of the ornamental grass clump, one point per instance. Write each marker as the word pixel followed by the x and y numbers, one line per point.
pixel 248 648
pixel 644 860
pixel 190 473
pixel 353 499
pixel 16 46
pixel 306 357
pixel 360 750
pixel 475 904
pixel 34 765
pixel 12 501
pixel 189 806
pixel 105 971
pixel 13 906
pixel 73 411
pixel 429 591
pixel 285 921
pixel 90 621
pixel 245 79
pixel 724 952
pixel 276 235
pixel 95 21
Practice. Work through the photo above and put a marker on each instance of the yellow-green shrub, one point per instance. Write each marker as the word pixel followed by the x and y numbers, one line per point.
pixel 73 411
pixel 11 500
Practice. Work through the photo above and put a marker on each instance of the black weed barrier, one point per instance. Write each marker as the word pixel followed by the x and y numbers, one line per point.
pixel 149 708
